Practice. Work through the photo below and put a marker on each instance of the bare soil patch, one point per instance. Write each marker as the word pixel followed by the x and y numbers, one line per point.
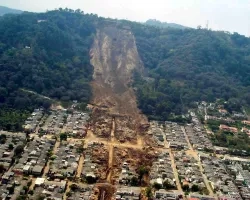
pixel 114 57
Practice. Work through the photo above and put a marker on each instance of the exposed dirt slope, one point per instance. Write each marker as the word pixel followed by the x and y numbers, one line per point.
pixel 115 57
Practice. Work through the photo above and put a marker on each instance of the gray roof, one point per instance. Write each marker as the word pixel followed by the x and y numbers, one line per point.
pixel 37 169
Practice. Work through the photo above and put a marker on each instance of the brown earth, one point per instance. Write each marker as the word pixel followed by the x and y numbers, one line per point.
pixel 135 158
pixel 114 57
pixel 103 191
pixel 115 115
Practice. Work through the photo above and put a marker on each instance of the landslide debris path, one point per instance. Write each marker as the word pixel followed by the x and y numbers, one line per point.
pixel 114 57
pixel 116 119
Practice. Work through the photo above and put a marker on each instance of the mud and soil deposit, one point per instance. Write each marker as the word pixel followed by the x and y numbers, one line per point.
pixel 114 57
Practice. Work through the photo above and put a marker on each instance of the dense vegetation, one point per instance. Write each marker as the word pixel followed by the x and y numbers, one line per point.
pixel 5 10
pixel 239 141
pixel 188 65
pixel 157 23
pixel 46 53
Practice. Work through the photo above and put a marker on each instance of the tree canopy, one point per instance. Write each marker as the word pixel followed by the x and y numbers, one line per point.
pixel 48 55
pixel 45 54
pixel 188 65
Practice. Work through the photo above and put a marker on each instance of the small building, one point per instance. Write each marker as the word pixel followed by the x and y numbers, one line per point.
pixel 26 169
pixel 37 170
pixel 39 181
pixel 246 122
pixel 6 177
pixel 228 128
pixel 223 111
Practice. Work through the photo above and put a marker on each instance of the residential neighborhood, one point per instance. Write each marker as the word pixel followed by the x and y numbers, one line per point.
pixel 60 156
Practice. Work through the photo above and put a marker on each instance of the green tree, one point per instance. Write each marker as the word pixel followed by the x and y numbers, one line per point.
pixel 73 187
pixel 90 180
pixel 31 192
pixel 3 138
pixel 2 169
pixel 185 188
pixel 167 185
pixel 195 188
pixel 25 188
pixel 157 186
pixel 134 181
pixel 40 197
pixel 22 197
pixel 148 192
pixel 63 136
pixel 12 189
pixel 11 146
pixel 18 150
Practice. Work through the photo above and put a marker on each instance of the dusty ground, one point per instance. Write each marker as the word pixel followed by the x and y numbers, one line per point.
pixel 114 57
pixel 100 157
pixel 101 122
pixel 135 159
pixel 103 191
pixel 125 126
pixel 115 115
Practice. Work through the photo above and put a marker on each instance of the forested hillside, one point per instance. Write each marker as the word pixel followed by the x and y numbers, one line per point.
pixel 190 65
pixel 5 10
pixel 45 53
pixel 157 23
pixel 48 53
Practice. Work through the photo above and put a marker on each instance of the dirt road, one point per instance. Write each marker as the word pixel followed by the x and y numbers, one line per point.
pixel 46 169
pixel 92 138
pixel 178 184
pixel 80 166
pixel 195 155
pixel 111 151
pixel 110 164
pixel 106 191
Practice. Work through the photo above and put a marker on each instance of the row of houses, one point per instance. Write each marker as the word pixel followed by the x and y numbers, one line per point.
pixel 55 122
pixel 29 160
pixel 224 127
pixel 33 121
pixel 175 136
pixel 188 170
pixel 201 197
pixel 220 181
pixel 198 138
pixel 76 124
pixel 34 157
pixel 12 186
pixel 65 161
pixel 128 193
pixel 162 171
pixel 165 195
pixel 9 143
pixel 241 176
pixel 227 120
pixel 48 189
pixel 127 173
pixel 95 162
pixel 197 135
pixel 156 130
pixel 80 192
